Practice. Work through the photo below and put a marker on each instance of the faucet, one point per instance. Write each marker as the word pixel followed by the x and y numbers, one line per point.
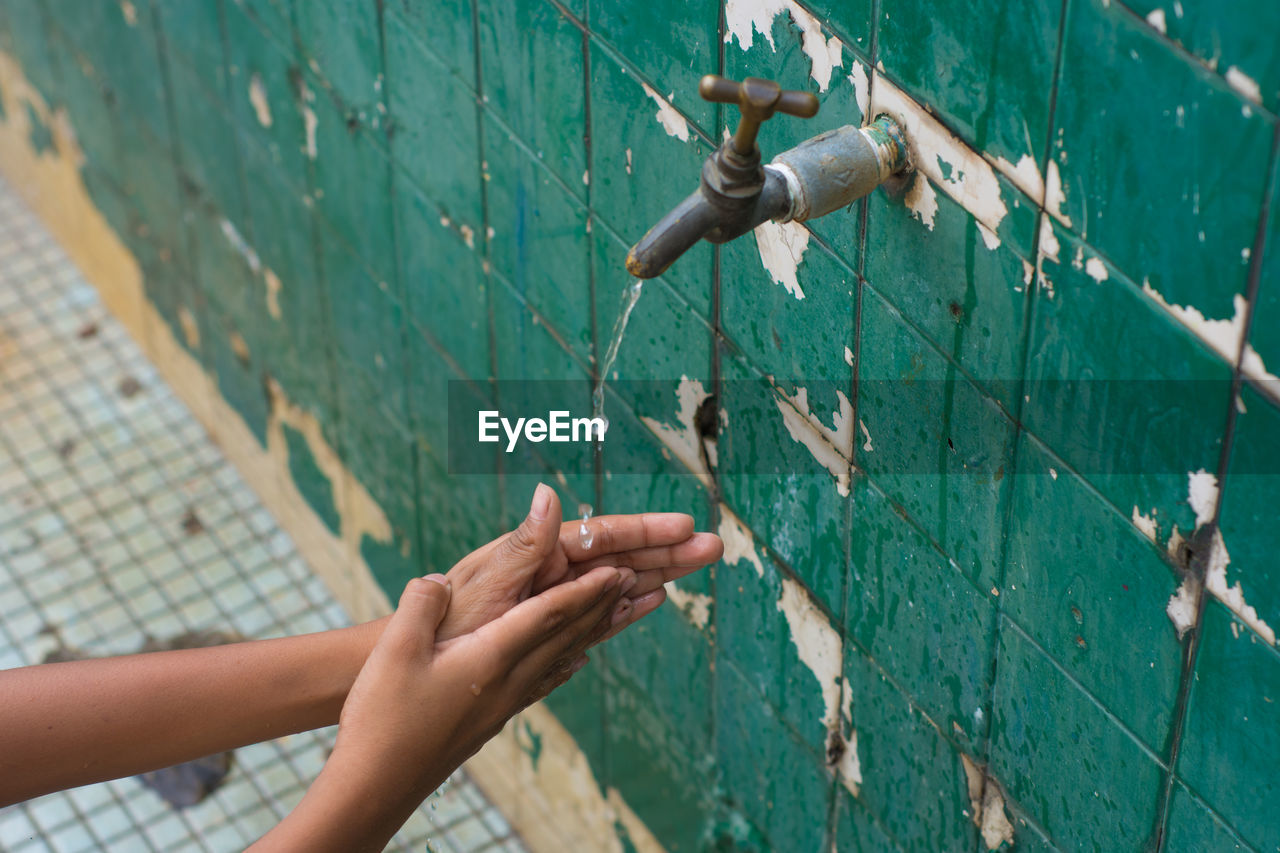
pixel 736 193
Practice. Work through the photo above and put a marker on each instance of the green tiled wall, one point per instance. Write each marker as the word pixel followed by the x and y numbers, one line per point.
pixel 446 190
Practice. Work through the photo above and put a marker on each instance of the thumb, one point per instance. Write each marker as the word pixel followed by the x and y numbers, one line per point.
pixel 533 541
pixel 423 605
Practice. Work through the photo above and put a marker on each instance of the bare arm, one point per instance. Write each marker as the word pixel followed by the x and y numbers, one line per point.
pixel 69 724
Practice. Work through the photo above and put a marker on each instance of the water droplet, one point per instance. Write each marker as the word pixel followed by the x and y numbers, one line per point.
pixel 585 535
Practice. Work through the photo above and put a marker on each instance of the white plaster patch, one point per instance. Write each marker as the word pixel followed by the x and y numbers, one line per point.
pixel 832 447
pixel 1244 84
pixel 242 247
pixel 695 606
pixel 468 235
pixel 1232 596
pixel 628 161
pixel 130 13
pixel 586 178
pixel 921 200
pixel 986 804
pixel 683 440
pixel 848 356
pixel 258 97
pixel 1096 270
pixel 1156 19
pixel 866 434
pixel 782 247
pixel 668 116
pixel 739 544
pixel 744 17
pixel 949 163
pixel 1183 605
pixel 1049 249
pixel 310 121
pixel 1146 524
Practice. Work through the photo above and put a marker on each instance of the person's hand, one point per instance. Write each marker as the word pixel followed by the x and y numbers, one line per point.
pixel 421 706
pixel 543 552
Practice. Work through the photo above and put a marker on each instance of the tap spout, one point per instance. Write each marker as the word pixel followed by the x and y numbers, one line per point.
pixel 703 214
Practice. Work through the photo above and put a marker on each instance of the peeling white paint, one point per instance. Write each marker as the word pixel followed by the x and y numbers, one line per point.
pixel 921 200
pixel 866 434
pixel 782 246
pixel 694 605
pixel 832 447
pixel 1053 472
pixel 258 97
pixel 242 247
pixel 1096 270
pixel 817 644
pixel 859 77
pixel 1146 524
pixel 468 235
pixel 1244 84
pixel 850 768
pixel 668 116
pixel 986 804
pixel 1183 605
pixel 1202 495
pixel 273 292
pixel 1054 197
pixel 739 544
pixel 683 440
pixel 1048 250
pixel 1156 19
pixel 1025 175
pixel 1222 336
pixel 949 163
pixel 848 356
pixel 628 161
pixel 130 13
pixel 309 120
pixel 745 17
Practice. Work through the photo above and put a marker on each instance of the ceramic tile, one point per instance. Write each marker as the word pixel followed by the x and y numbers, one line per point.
pixel 1193 826
pixel 1076 616
pixel 1251 489
pixel 957 57
pixel 918 617
pixel 1136 410
pixel 932 441
pixel 792 805
pixel 1062 759
pixel 1232 726
pixel 640 170
pixel 532 62
pixel 1145 135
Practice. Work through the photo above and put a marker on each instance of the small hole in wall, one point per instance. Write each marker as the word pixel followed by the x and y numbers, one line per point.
pixel 353 123
pixel 956 311
pixel 951 445
pixel 835 748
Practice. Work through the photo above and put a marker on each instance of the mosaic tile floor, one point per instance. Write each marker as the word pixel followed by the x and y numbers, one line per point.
pixel 120 521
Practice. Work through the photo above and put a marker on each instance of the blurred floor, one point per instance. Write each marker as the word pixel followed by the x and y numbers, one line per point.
pixel 121 522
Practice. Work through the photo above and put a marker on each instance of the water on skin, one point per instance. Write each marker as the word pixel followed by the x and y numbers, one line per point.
pixel 585 535
pixel 629 298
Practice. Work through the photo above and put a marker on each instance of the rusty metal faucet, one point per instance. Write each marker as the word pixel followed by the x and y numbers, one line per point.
pixel 736 193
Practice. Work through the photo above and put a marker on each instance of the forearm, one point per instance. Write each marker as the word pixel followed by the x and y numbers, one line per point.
pixel 69 724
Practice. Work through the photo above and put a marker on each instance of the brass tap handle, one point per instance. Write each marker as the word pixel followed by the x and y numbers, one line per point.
pixel 757 100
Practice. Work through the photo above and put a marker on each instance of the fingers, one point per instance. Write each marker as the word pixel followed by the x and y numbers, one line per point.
pixel 616 533
pixel 641 606
pixel 699 549
pixel 423 604
pixel 567 642
pixel 525 548
pixel 547 618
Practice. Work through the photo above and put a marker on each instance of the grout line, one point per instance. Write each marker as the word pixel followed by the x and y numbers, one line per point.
pixel 1177 725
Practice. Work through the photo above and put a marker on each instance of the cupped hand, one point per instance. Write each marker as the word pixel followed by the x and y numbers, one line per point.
pixel 544 552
